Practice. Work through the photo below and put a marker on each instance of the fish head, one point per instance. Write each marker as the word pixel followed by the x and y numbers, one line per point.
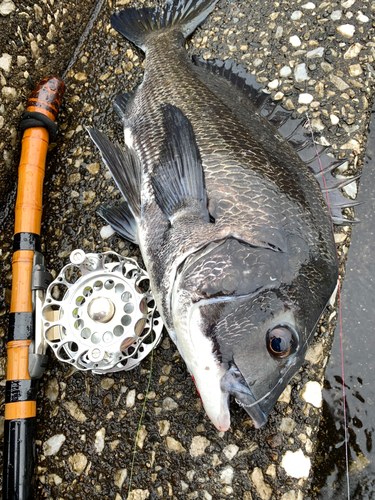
pixel 244 318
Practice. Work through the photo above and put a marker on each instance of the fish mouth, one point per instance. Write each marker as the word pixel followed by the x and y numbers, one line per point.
pixel 234 383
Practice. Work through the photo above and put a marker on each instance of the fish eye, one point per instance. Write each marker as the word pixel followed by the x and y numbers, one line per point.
pixel 282 341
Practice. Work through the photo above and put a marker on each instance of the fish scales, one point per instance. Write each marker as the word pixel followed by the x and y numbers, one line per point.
pixel 232 227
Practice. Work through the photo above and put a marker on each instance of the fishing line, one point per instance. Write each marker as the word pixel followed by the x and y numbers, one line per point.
pixel 140 420
pixel 340 317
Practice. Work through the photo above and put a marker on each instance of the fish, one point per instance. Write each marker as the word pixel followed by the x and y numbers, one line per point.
pixel 223 194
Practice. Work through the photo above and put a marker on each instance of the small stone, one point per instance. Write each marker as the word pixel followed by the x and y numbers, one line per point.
pixel 287 425
pixel 355 70
pixel 279 32
pixel 317 125
pixel 285 71
pixel 334 119
pixel 274 84
pixel 257 62
pixel 164 427
pixel 138 495
pixel 184 486
pixel 141 437
pixel 351 190
pixel 7 7
pixel 100 440
pixel 53 444
pixel 296 464
pixel 107 383
pixel 300 73
pixel 290 495
pixel 6 62
pixel 198 446
pixel 78 463
pixel 285 395
pixel 295 41
pixel 346 30
pixel 174 445
pixel 351 144
pixel 169 404
pixel 38 12
pixel 305 98
pixel 21 60
pixel 9 93
pixel 353 51
pixel 347 4
pixel 206 495
pixel 88 197
pixel 338 82
pixel 318 52
pixel 35 50
pixel 106 232
pixel 230 451
pixel 75 411
pixel 314 353
pixel 362 18
pixel 227 490
pixel 54 479
pixel 52 389
pixel 297 14
pixel 288 104
pixel 80 76
pixel 226 475
pixel 166 344
pixel 93 168
pixel 74 178
pixel 336 15
pixel 309 6
pixel 120 476
pixel 247 496
pixel 130 399
pixel 278 96
pixel 271 470
pixel 326 67
pixel 312 393
pixel 263 489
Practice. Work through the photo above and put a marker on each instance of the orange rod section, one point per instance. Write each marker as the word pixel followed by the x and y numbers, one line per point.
pixel 28 210
pixel 22 266
pixel 21 409
pixel 18 360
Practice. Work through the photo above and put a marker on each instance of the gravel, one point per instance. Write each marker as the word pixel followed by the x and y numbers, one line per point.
pixel 94 420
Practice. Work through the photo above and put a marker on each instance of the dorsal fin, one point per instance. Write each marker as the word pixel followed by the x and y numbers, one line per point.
pixel 293 129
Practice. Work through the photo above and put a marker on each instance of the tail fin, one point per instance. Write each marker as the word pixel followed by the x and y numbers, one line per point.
pixel 137 25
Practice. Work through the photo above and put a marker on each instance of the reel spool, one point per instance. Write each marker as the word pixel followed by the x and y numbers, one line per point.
pixel 99 313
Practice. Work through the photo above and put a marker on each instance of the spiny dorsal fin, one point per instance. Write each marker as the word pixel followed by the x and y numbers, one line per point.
pixel 293 129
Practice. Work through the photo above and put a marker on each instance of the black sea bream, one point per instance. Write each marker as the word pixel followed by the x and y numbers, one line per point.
pixel 232 225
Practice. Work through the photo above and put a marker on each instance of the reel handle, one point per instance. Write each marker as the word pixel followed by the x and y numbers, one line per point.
pixel 38 124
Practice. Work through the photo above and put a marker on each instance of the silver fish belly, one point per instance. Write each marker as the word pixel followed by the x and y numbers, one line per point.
pixel 231 224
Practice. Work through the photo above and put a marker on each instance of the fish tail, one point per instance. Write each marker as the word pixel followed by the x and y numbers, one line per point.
pixel 137 25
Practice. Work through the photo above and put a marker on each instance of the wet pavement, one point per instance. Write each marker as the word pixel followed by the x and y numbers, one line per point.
pixel 314 57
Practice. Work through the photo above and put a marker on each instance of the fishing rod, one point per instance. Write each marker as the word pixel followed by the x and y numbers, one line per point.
pixel 26 347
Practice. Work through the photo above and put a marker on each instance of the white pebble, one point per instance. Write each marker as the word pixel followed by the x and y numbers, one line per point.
pixel 198 446
pixel 336 15
pixel 347 4
pixel 285 71
pixel 120 476
pixel 106 232
pixel 297 14
pixel 296 464
pixel 99 440
pixel 362 18
pixel 257 62
pixel 312 393
pixel 351 190
pixel 346 30
pixel 226 476
pixel 53 444
pixel 300 73
pixel 305 98
pixel 334 119
pixel 7 7
pixel 278 96
pixel 274 84
pixel 130 399
pixel 5 62
pixel 295 41
pixel 230 451
pixel 318 52
pixel 309 6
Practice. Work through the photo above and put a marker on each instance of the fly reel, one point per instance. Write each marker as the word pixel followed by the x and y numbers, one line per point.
pixel 99 313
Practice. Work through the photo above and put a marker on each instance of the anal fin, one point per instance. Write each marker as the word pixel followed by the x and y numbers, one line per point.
pixel 121 219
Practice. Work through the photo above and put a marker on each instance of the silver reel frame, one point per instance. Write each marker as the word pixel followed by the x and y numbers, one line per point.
pixel 99 313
